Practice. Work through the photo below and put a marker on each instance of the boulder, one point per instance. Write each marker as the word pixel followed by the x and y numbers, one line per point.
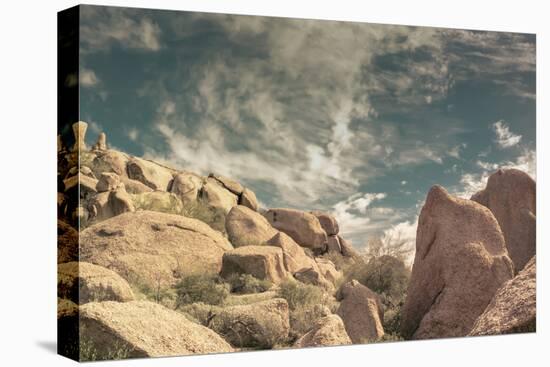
pixel 145 329
pixel 110 161
pixel 186 186
pixel 150 247
pixel 295 258
pixel 217 197
pixel 109 204
pixel 328 222
pixel 514 307
pixel 228 184
pixel 313 276
pixel 82 282
pixel 263 324
pixel 85 184
pixel 248 199
pixel 460 262
pixel 158 201
pixel 362 312
pixel 246 227
pixel 108 181
pixel 303 227
pixel 511 196
pixel 333 245
pixel 347 249
pixel 328 270
pixel 67 243
pixel 262 262
pixel 134 186
pixel 149 173
pixel 326 331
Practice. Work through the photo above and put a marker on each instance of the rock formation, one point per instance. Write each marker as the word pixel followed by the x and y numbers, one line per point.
pixel 82 282
pixel 459 264
pixel 149 173
pixel 326 331
pixel 511 196
pixel 79 131
pixel 151 247
pixel 328 222
pixel 101 143
pixel 514 307
pixel 146 329
pixel 246 227
pixel 186 186
pixel 262 324
pixel 262 262
pixel 361 310
pixel 303 227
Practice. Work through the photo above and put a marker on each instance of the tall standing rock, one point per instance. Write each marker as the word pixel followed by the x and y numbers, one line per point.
pixel 361 310
pixel 460 262
pixel 79 131
pixel 303 227
pixel 511 196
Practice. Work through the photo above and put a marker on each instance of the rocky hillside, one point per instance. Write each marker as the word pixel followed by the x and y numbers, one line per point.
pixel 170 262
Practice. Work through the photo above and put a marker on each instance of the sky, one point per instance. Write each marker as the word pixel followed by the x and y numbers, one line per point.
pixel 356 119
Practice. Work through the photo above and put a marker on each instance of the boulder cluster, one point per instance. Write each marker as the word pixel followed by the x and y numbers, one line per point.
pixel 144 227
pixel 132 231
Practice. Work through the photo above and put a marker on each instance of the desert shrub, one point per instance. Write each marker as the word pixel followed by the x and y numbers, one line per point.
pixel 201 288
pixel 199 209
pixel 163 202
pixel 300 294
pixel 199 312
pixel 246 283
pixel 100 350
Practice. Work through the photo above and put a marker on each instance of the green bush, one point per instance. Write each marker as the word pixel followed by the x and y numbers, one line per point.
pixel 201 288
pixel 200 210
pixel 299 294
pixel 246 283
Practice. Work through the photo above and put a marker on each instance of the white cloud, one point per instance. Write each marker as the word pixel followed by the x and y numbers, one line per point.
pixel 88 78
pixel 133 134
pixel 403 183
pixel 101 27
pixel 504 137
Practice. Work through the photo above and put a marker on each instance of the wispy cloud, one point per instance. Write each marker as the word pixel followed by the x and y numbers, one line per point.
pixel 504 137
pixel 88 78
pixel 103 27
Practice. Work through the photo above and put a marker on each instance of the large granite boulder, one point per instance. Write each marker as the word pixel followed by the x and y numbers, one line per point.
pixel 512 197
pixel 262 324
pixel 362 313
pixel 145 329
pixel 328 270
pixel 262 262
pixel 327 331
pixel 149 173
pixel 186 186
pixel 152 247
pixel 218 197
pixel 460 262
pixel 248 199
pixel 228 183
pixel 295 258
pixel 328 222
pixel 246 227
pixel 108 181
pixel 347 249
pixel 108 204
pixel 82 282
pixel 303 227
pixel 110 161
pixel 514 307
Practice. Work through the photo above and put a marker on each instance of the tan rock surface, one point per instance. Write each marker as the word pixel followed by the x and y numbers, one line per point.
pixel 460 263
pixel 303 227
pixel 246 227
pixel 327 331
pixel 514 307
pixel 149 173
pixel 262 262
pixel 512 197
pixel 82 282
pixel 152 247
